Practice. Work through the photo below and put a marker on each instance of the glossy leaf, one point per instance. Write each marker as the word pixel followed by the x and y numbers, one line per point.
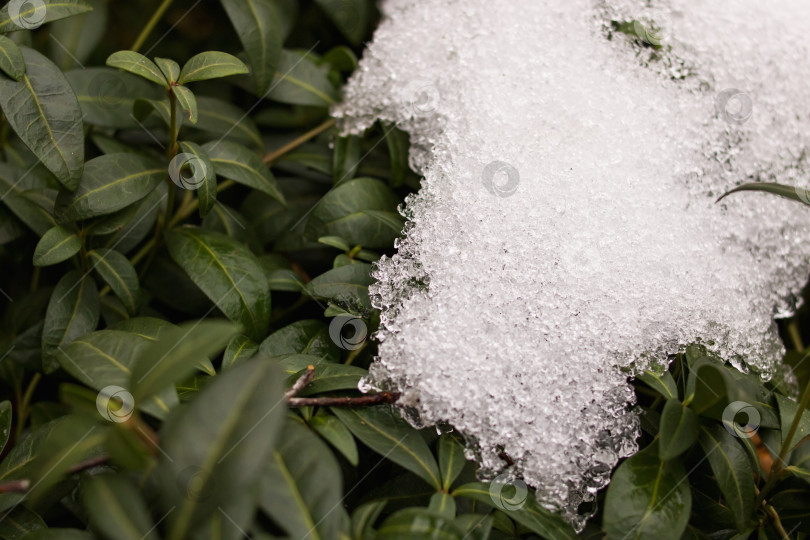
pixel 298 80
pixel 117 509
pixel 137 64
pixel 258 25
pixel 55 246
pixel 72 312
pixel 119 274
pixel 227 272
pixel 219 446
pixel 451 459
pixel 211 65
pixel 390 436
pixel 787 412
pixel 347 285
pixel 307 336
pixel 43 111
pixel 336 434
pixel 679 429
pixel 235 162
pixel 663 384
pixel 239 349
pixel 647 498
pixel 110 182
pixel 302 485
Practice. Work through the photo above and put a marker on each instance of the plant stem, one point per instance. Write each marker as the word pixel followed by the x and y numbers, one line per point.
pixel 777 523
pixel 362 401
pixel 22 412
pixel 150 25
pixel 295 143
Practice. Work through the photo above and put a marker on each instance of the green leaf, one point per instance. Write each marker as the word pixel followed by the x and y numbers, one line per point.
pixel 679 429
pixel 307 336
pixel 331 377
pixel 176 355
pixel 169 68
pixel 16 198
pixel 347 285
pixel 73 311
pixel 336 434
pixel 258 25
pixel 350 16
pixel 211 65
pixel 219 446
pixel 55 533
pixel 710 387
pixel 55 246
pixel 224 120
pixel 107 95
pixel 187 102
pixel 647 498
pixel 120 275
pixel 5 423
pixel 239 349
pixel 44 112
pixel 110 182
pixel 398 145
pixel 443 505
pixel 475 526
pixel 19 523
pixel 418 524
pixel 299 81
pixel 732 469
pixel 302 485
pixel 451 459
pixel 363 519
pixel 74 39
pixel 789 192
pixel 204 178
pixel 346 158
pixel 362 211
pixel 11 59
pixel 117 509
pixel 787 412
pixel 391 437
pixel 235 162
pixel 793 508
pixel 663 384
pixel 227 272
pixel 30 15
pixel 137 64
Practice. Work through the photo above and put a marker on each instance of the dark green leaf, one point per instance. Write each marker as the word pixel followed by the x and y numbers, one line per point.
pixel 211 65
pixel 732 469
pixel 239 349
pixel 11 59
pixel 5 423
pixel 347 285
pixel 74 39
pixel 302 485
pixel 443 505
pixel 110 182
pixel 258 25
pixel 219 445
pixel 787 412
pixel 139 65
pixel 451 459
pixel 55 533
pixel 307 336
pixel 647 498
pixel 72 312
pixel 224 120
pixel 398 145
pixel 475 526
pixel 203 178
pixel 235 162
pixel 298 80
pixel 107 95
pixel 663 384
pixel 363 519
pixel 418 524
pixel 30 15
pixel 169 68
pixel 188 102
pixel 332 377
pixel 679 429
pixel 793 508
pixel 337 434
pixel 789 192
pixel 176 355
pixel 44 112
pixel 119 274
pixel 710 387
pixel 19 523
pixel 227 272
pixel 390 436
pixel 350 16
pixel 117 509
pixel 55 246
pixel 346 158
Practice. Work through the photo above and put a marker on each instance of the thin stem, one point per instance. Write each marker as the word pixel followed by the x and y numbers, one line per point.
pixel 295 143
pixel 777 523
pixel 150 25
pixel 362 401
pixel 22 412
pixel 299 385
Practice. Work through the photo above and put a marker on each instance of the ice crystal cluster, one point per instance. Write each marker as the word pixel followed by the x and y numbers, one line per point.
pixel 566 232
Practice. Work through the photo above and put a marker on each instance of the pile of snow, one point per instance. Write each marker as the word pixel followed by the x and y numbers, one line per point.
pixel 566 232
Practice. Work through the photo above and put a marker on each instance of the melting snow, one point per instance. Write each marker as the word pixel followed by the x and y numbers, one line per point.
pixel 566 232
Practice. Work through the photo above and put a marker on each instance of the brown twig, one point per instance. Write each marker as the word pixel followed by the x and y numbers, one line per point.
pixel 299 385
pixel 15 486
pixel 361 401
